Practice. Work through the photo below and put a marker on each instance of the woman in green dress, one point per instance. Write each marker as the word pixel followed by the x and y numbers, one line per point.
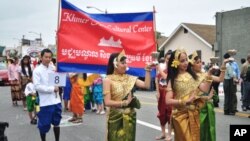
pixel 117 88
pixel 207 114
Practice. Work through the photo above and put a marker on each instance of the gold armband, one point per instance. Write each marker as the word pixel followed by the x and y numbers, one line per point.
pixel 223 68
pixel 209 79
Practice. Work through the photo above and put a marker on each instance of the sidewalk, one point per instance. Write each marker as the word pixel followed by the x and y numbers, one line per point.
pixel 221 104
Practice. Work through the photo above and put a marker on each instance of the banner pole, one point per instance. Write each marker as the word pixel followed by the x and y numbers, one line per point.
pixel 154 24
pixel 58 25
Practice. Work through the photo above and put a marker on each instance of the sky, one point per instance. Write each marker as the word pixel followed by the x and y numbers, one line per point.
pixel 19 17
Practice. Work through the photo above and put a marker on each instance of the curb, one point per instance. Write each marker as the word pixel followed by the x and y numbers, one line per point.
pixel 240 114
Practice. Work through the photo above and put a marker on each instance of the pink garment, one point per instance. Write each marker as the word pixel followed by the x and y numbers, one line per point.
pixel 98 81
pixel 13 72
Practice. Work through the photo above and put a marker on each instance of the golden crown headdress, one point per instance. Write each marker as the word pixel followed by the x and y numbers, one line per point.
pixel 194 54
pixel 176 61
pixel 121 54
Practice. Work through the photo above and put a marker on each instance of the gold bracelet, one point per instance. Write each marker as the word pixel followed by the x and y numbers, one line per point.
pixel 207 98
pixel 223 68
pixel 179 101
pixel 149 70
pixel 124 103
pixel 169 90
pixel 183 103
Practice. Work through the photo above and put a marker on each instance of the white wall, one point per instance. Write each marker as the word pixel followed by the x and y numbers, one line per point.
pixel 190 43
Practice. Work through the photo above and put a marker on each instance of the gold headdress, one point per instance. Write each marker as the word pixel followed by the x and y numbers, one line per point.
pixel 119 57
pixel 176 61
pixel 121 54
pixel 194 54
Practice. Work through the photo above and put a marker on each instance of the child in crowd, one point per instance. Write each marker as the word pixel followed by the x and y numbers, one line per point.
pixel 30 94
pixel 98 95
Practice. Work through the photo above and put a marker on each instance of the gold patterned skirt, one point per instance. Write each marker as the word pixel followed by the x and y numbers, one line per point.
pixel 121 125
pixel 15 87
pixel 186 121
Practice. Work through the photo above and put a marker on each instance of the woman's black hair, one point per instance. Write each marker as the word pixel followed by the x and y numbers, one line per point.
pixel 84 76
pixel 110 68
pixel 168 53
pixel 173 72
pixel 28 65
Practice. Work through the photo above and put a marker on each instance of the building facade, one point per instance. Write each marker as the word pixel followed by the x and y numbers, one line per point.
pixel 233 32
pixel 192 37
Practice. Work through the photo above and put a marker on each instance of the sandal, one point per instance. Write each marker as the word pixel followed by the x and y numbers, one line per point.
pixel 14 103
pixel 168 138
pixel 72 119
pixel 77 121
pixel 160 137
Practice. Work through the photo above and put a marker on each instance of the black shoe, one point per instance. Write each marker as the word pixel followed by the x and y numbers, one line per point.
pixel 216 105
pixel 248 107
pixel 244 108
pixel 232 114
pixel 33 121
pixel 236 111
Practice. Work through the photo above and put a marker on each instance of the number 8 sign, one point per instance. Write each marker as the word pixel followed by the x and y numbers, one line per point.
pixel 57 79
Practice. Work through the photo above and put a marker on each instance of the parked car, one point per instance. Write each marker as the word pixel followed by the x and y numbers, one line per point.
pixel 4 80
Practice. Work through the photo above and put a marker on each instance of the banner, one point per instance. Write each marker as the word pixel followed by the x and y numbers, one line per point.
pixel 85 41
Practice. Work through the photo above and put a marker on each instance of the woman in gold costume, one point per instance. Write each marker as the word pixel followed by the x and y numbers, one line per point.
pixel 117 87
pixel 183 93
pixel 207 114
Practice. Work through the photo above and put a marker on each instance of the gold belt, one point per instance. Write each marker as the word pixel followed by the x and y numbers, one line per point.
pixel 191 107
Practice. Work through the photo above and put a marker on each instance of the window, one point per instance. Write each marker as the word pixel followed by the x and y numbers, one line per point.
pixel 185 31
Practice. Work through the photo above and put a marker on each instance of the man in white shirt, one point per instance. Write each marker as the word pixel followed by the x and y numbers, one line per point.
pixel 50 103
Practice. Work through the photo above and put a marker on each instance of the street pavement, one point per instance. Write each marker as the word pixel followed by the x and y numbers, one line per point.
pixel 93 127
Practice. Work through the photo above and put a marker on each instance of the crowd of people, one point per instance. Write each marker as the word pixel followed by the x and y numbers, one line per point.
pixel 186 94
pixel 29 84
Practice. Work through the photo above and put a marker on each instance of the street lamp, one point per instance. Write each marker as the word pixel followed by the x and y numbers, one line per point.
pixel 106 12
pixel 40 34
